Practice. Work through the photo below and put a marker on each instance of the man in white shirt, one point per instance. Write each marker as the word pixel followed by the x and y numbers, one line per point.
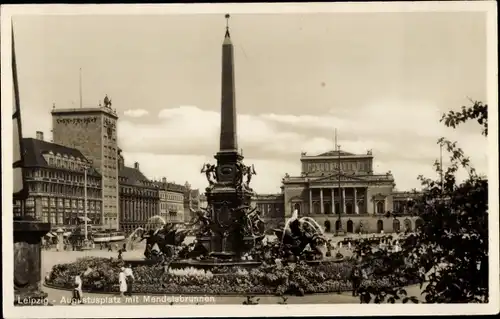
pixel 129 276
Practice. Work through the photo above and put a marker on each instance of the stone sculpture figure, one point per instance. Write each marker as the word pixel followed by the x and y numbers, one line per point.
pixel 210 173
pixel 298 237
pixel 107 101
pixel 166 238
pixel 202 219
pixel 249 171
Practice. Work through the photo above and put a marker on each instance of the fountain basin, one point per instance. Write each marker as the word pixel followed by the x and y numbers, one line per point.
pixel 213 263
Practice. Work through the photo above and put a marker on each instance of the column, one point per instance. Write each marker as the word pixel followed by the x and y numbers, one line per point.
pixel 343 200
pixel 356 211
pixel 310 201
pixel 366 199
pixel 322 209
pixel 333 201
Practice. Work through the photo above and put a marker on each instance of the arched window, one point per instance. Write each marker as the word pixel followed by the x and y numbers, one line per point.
pixel 337 225
pixel 337 208
pixel 316 208
pixel 327 208
pixel 328 226
pixel 380 226
pixel 418 223
pixel 348 208
pixel 380 207
pixel 396 226
pixel 407 225
pixel 296 207
pixel 361 207
pixel 350 226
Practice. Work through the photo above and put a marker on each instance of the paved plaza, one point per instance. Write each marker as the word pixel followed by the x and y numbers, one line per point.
pixel 61 297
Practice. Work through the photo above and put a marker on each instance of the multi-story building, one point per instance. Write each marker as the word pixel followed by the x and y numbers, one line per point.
pixel 139 197
pixel 191 201
pixel 171 206
pixel 175 203
pixel 340 188
pixel 55 177
pixel 93 132
pixel 271 208
pixel 202 201
pixel 162 193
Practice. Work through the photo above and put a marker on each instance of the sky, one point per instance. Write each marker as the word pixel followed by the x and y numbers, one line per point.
pixel 383 80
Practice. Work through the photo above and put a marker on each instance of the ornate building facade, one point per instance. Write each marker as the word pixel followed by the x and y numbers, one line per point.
pixel 271 207
pixel 93 132
pixel 139 197
pixel 339 183
pixel 192 200
pixel 55 178
pixel 171 205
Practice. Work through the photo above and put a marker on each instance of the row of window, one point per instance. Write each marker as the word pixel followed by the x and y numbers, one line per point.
pixel 135 191
pixel 71 163
pixel 72 177
pixel 60 218
pixel 170 207
pixel 63 202
pixel 53 188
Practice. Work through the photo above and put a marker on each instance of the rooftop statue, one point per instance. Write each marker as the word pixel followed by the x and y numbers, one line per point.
pixel 107 101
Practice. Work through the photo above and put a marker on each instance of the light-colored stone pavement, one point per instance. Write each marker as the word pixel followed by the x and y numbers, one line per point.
pixel 62 297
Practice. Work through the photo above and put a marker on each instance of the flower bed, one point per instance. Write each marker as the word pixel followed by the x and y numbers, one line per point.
pixel 293 278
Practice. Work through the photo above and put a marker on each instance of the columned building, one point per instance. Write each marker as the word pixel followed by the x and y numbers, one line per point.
pixel 341 184
pixel 139 197
pixel 55 179
pixel 271 208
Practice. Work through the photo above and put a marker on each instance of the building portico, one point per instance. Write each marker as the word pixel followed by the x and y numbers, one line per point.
pixel 338 185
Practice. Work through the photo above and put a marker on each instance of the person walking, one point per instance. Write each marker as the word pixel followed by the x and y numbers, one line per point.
pixel 129 277
pixel 355 280
pixel 123 282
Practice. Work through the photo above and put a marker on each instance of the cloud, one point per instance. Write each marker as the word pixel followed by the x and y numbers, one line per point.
pixel 403 140
pixel 136 113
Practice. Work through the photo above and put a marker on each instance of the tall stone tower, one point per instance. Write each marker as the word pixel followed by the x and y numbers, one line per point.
pixel 93 131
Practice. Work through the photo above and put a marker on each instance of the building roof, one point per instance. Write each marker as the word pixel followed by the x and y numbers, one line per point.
pixel 175 188
pixel 35 148
pixel 132 175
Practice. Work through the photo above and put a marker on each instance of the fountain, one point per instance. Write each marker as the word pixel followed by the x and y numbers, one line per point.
pixel 229 231
pixel 229 234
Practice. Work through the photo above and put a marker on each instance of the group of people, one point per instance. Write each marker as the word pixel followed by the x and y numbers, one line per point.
pixel 125 279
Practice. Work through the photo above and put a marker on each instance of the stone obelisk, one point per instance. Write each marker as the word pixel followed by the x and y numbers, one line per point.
pixel 228 137
pixel 228 195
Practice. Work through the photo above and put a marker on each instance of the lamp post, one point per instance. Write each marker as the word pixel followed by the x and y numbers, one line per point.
pixel 85 169
pixel 341 206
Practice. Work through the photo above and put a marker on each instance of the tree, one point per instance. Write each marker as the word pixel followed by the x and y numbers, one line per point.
pixel 449 251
